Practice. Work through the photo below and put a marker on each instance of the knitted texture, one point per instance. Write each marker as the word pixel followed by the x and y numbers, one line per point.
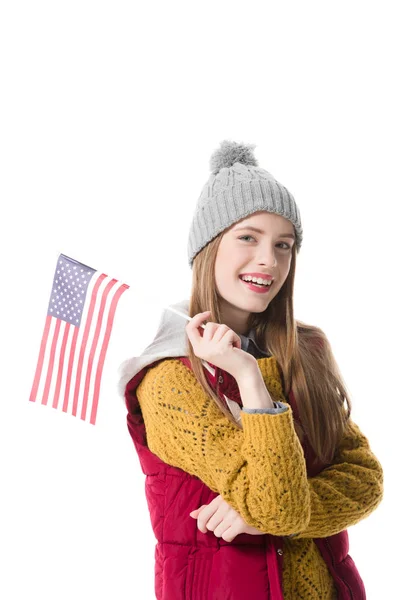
pixel 237 188
pixel 305 574
pixel 260 470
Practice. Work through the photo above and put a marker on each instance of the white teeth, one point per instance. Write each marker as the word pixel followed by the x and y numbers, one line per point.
pixel 257 280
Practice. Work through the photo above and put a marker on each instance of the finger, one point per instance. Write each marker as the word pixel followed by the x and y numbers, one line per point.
pixel 217 520
pixel 231 337
pixel 195 512
pixel 212 515
pixel 210 331
pixel 204 517
pixel 219 331
pixel 224 525
pixel 229 534
pixel 222 333
pixel 214 504
pixel 192 328
pixel 215 331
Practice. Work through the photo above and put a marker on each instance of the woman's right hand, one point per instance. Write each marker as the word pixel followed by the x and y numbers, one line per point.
pixel 219 345
pixel 221 518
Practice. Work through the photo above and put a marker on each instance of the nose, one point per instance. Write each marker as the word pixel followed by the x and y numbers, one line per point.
pixel 267 254
pixel 271 262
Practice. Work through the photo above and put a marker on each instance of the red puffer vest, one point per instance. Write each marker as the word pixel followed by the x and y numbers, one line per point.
pixel 191 565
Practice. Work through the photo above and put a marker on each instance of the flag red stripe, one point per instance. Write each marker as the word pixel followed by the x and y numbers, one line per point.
pixel 61 365
pixel 103 351
pixel 96 336
pixel 39 365
pixel 84 341
pixel 51 362
pixel 70 364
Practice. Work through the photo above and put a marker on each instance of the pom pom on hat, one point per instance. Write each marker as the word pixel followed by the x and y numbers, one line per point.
pixel 231 152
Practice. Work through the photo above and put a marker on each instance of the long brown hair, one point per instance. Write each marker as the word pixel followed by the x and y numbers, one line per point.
pixel 303 354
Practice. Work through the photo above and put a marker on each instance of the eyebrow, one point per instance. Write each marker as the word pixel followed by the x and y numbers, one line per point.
pixel 287 235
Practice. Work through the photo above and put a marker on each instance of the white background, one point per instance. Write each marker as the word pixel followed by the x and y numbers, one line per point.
pixel 109 114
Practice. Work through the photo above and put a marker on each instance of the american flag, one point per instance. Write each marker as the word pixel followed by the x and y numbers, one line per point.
pixel 75 339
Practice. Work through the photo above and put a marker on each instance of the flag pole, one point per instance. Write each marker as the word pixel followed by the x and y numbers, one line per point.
pixel 178 312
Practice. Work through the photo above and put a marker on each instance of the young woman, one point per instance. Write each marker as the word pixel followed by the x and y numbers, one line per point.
pixel 254 467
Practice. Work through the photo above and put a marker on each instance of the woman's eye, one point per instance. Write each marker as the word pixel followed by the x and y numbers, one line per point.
pixel 287 247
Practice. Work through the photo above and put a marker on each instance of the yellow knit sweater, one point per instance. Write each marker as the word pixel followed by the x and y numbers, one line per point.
pixel 260 470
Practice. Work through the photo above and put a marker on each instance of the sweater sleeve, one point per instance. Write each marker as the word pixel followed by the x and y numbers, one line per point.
pixel 348 490
pixel 278 408
pixel 259 470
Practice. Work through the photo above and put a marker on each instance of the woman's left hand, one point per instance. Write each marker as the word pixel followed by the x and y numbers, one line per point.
pixel 222 519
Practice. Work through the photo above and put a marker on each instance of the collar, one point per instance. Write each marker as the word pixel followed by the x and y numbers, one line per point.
pixel 249 344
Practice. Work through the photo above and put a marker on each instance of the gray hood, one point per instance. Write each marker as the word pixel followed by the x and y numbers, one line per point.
pixel 171 341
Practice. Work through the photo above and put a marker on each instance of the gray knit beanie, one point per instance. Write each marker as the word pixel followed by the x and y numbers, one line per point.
pixel 236 188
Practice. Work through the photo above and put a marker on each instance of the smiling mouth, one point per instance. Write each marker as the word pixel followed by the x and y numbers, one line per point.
pixel 258 284
pixel 257 287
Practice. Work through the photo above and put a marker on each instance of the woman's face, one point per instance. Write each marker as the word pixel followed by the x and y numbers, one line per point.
pixel 243 250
